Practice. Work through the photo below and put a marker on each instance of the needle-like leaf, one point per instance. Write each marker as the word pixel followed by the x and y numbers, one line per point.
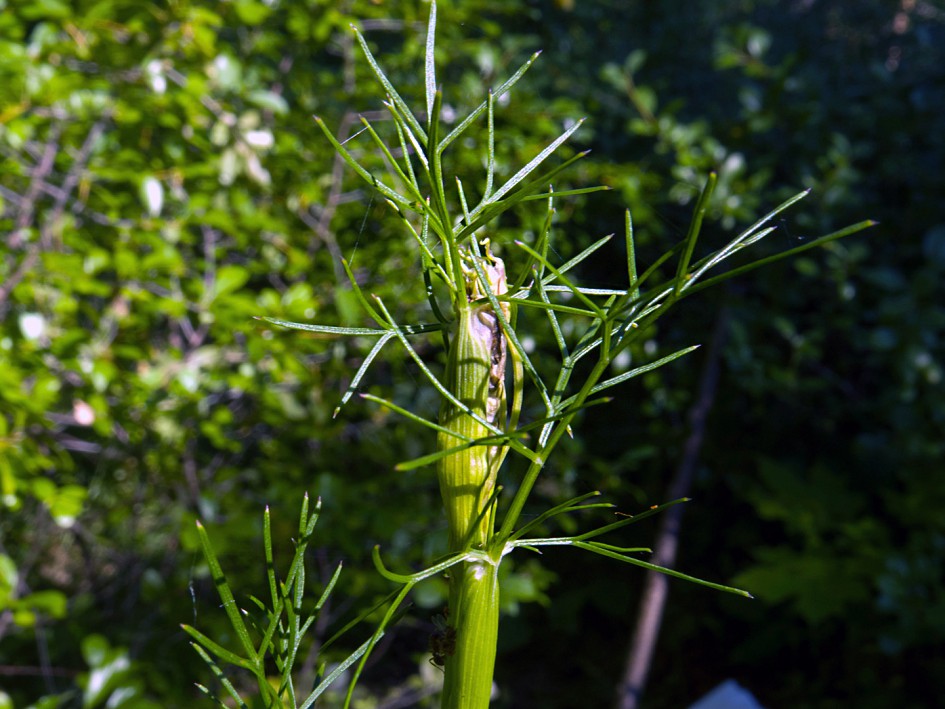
pixel 497 94
pixel 389 87
pixel 430 62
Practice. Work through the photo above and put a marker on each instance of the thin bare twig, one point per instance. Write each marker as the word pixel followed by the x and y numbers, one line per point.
pixel 321 225
pixel 28 203
pixel 75 172
pixel 40 172
pixel 27 209
pixel 33 670
pixel 656 585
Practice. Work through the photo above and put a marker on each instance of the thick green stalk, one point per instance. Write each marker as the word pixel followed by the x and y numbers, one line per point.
pixel 465 482
pixel 475 375
pixel 474 601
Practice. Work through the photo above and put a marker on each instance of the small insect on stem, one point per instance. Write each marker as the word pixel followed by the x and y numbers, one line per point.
pixel 442 640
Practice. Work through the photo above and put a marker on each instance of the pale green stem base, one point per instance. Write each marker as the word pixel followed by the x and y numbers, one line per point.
pixel 474 609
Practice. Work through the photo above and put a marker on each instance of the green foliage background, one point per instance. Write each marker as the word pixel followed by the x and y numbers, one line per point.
pixel 162 182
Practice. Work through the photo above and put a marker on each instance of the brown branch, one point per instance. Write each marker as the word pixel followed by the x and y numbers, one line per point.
pixel 42 169
pixel 32 670
pixel 25 218
pixel 321 225
pixel 78 166
pixel 29 201
pixel 319 220
pixel 656 585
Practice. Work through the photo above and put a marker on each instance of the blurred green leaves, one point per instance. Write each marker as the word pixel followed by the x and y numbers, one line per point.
pixel 113 679
pixel 154 178
pixel 24 609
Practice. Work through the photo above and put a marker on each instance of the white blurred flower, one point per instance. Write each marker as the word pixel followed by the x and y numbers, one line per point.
pixel 155 72
pixel 261 139
pixel 83 414
pixel 229 167
pixel 32 325
pixel 257 173
pixel 152 192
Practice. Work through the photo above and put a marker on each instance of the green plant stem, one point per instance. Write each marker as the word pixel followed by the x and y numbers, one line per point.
pixel 474 603
pixel 465 480
pixel 475 376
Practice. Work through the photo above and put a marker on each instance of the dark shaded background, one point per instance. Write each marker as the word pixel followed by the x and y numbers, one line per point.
pixel 137 394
